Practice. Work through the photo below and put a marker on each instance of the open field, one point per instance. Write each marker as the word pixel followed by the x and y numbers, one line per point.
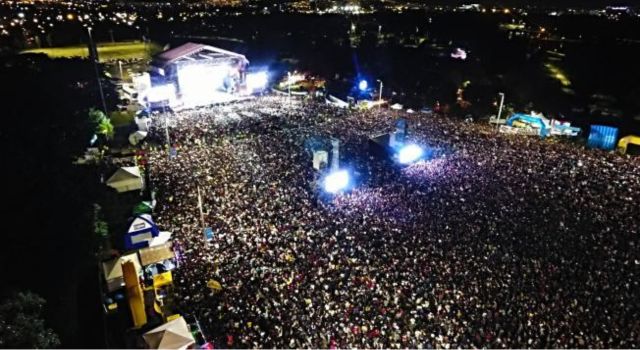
pixel 106 51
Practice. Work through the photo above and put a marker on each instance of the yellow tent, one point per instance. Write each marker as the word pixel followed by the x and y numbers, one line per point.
pixel 626 141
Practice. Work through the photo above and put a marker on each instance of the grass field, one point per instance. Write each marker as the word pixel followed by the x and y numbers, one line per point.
pixel 106 51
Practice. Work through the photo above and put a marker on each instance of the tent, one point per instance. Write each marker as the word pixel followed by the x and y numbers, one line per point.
pixel 136 137
pixel 142 121
pixel 143 207
pixel 152 255
pixel 397 106
pixel 126 179
pixel 162 238
pixel 337 102
pixel 112 270
pixel 141 232
pixel 624 143
pixel 174 334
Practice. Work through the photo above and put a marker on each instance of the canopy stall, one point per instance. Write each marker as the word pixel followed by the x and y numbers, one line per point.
pixel 143 207
pixel 112 270
pixel 153 255
pixel 174 334
pixel 137 137
pixel 141 232
pixel 126 179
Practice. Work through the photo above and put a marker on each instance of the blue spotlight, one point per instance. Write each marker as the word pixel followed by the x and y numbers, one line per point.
pixel 410 153
pixel 336 181
pixel 363 85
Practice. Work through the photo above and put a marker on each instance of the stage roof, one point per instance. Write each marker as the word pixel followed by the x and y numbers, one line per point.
pixel 195 52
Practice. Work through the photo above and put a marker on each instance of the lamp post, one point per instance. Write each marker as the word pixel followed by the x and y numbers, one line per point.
pixel 289 85
pixel 200 207
pixel 94 54
pixel 166 125
pixel 120 66
pixel 201 215
pixel 500 108
pixel 380 94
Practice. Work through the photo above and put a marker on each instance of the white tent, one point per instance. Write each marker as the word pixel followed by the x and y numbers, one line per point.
pixel 126 179
pixel 337 102
pixel 397 106
pixel 112 270
pixel 162 238
pixel 143 123
pixel 174 334
pixel 136 137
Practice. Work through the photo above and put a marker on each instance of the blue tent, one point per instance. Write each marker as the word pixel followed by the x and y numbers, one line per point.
pixel 603 137
pixel 141 231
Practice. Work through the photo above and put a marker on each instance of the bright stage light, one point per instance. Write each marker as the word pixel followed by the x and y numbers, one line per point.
pixel 199 83
pixel 336 181
pixel 257 81
pixel 162 93
pixel 363 85
pixel 410 153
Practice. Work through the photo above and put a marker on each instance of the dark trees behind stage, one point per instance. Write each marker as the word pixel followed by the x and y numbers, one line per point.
pixel 47 241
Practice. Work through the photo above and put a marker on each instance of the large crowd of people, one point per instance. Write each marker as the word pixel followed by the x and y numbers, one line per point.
pixel 496 241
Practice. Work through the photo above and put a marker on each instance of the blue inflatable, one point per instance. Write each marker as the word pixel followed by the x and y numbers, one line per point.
pixel 603 137
pixel 529 119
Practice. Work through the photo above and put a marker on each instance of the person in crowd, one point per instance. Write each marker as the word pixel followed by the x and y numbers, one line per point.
pixel 496 241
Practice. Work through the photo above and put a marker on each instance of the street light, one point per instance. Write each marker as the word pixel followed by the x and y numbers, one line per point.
pixel 93 50
pixel 204 226
pixel 289 85
pixel 500 108
pixel 166 125
pixel 120 66
pixel 380 94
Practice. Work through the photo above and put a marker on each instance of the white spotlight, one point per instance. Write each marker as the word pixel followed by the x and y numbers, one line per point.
pixel 410 153
pixel 257 81
pixel 363 85
pixel 336 181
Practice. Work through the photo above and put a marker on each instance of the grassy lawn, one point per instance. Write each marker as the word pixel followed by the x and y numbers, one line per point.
pixel 106 51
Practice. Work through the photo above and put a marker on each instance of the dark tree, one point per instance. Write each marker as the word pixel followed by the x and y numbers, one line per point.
pixel 22 325
pixel 49 241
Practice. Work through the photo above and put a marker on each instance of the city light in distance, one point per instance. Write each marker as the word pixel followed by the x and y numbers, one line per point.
pixel 363 85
